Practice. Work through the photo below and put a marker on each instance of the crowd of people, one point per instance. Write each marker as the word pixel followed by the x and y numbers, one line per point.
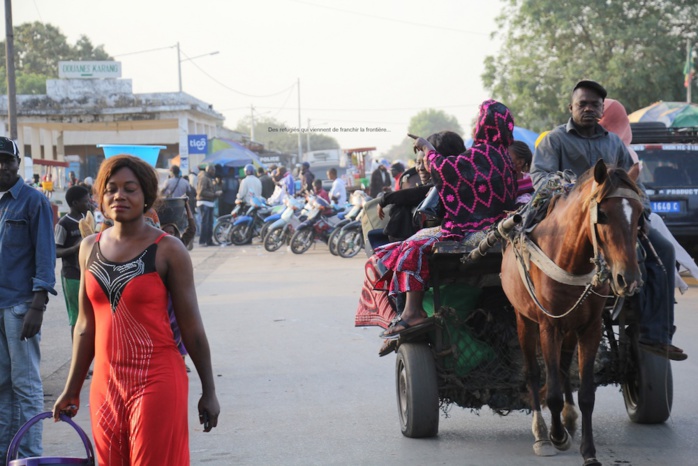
pixel 137 416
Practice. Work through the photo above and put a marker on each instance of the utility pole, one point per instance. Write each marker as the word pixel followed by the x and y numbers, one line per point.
pixel 307 138
pixel 179 67
pixel 689 66
pixel 251 122
pixel 299 121
pixel 10 66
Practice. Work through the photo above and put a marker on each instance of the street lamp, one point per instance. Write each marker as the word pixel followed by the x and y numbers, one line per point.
pixel 179 62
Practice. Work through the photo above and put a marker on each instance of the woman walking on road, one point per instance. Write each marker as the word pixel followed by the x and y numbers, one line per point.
pixel 138 399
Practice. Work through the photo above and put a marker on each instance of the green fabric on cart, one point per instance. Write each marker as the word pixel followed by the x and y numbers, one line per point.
pixel 469 352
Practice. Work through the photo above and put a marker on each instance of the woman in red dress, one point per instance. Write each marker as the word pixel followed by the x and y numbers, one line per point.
pixel 138 399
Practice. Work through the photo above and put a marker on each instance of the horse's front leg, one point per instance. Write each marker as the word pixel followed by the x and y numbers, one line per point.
pixel 551 346
pixel 569 412
pixel 588 346
pixel 528 340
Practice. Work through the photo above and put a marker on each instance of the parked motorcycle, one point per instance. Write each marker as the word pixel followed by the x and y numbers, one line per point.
pixel 282 229
pixel 224 223
pixel 357 200
pixel 247 226
pixel 318 225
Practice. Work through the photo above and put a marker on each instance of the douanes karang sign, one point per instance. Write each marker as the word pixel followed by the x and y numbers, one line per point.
pixel 89 69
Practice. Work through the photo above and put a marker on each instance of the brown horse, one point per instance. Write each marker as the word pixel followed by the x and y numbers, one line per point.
pixel 586 249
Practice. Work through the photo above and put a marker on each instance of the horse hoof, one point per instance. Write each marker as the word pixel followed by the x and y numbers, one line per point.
pixel 592 462
pixel 544 448
pixel 564 444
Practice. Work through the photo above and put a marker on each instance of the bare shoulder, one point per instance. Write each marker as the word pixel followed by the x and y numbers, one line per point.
pixel 173 247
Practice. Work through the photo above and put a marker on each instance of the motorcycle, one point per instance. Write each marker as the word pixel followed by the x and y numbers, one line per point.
pixel 247 226
pixel 357 200
pixel 224 223
pixel 318 225
pixel 282 229
pixel 350 222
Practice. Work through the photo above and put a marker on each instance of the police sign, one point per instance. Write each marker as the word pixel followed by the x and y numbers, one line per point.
pixel 198 144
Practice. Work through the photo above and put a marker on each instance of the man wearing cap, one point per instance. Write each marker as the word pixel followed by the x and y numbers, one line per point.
pixel 26 277
pixel 577 146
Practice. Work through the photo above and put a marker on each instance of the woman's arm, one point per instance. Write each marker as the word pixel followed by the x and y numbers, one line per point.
pixel 179 280
pixel 83 343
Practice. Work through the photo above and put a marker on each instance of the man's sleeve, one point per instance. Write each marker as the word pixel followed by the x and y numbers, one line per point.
pixel 59 234
pixel 44 247
pixel 546 160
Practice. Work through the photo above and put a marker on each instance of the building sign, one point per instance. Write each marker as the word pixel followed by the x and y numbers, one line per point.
pixel 89 69
pixel 198 144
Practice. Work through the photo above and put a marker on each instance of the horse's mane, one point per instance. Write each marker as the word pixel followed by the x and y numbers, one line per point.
pixel 617 178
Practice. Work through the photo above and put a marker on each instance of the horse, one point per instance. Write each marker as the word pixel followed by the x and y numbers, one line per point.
pixel 558 278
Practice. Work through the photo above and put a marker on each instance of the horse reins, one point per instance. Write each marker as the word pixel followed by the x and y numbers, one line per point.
pixel 526 250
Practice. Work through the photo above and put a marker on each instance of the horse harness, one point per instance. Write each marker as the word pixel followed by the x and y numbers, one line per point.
pixel 526 251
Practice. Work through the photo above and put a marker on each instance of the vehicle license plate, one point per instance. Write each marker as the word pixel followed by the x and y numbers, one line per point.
pixel 666 207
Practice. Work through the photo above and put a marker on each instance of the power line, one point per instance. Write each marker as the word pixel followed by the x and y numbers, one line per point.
pixel 239 92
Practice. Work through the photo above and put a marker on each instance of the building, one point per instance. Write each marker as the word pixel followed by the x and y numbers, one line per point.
pixel 60 131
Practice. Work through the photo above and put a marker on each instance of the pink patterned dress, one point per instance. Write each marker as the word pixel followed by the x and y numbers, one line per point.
pixel 476 188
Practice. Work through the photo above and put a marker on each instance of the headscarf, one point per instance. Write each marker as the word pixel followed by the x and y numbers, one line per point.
pixel 615 120
pixel 495 125
pixel 478 186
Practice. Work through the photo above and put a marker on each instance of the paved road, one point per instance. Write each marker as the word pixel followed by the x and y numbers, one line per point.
pixel 300 385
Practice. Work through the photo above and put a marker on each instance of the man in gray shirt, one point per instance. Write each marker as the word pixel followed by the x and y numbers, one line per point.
pixel 577 146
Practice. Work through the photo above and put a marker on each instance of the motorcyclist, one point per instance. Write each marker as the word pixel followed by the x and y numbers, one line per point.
pixel 250 186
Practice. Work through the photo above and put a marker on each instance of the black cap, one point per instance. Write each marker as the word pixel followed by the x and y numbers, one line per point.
pixel 8 146
pixel 593 85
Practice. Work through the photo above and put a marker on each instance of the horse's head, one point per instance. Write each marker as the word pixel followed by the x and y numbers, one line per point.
pixel 615 211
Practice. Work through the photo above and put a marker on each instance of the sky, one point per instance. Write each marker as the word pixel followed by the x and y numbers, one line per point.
pixel 359 64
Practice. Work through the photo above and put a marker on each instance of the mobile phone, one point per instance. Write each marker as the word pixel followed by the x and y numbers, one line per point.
pixel 412 136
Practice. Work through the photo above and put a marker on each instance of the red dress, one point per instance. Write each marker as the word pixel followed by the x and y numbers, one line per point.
pixel 138 400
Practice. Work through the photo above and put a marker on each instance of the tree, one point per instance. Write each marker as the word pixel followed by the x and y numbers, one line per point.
pixel 38 49
pixel 432 121
pixel 635 49
pixel 277 136
pixel 424 124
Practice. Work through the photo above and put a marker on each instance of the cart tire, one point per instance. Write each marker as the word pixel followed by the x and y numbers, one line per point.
pixel 649 391
pixel 417 391
pixel 302 240
pixel 274 239
pixel 350 243
pixel 241 233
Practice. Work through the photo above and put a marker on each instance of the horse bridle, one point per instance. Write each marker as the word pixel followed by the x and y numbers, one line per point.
pixel 595 278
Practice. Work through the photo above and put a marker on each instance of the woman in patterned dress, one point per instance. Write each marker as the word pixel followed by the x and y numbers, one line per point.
pixel 476 189
pixel 138 398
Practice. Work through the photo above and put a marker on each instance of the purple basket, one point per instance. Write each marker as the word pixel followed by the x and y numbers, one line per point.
pixel 36 461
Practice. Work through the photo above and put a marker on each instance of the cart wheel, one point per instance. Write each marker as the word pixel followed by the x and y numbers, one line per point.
pixel 649 391
pixel 417 391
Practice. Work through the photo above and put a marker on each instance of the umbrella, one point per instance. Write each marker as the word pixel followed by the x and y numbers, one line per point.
pixel 520 134
pixel 235 155
pixel 672 114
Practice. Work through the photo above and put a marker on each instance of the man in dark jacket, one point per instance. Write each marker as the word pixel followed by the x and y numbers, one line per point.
pixel 267 183
pixel 206 194
pixel 380 181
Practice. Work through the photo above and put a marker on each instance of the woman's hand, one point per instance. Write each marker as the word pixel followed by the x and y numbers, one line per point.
pixel 209 409
pixel 423 145
pixel 67 405
pixel 381 214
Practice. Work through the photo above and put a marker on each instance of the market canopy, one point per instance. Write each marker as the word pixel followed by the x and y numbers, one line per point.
pixel 672 114
pixel 235 155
